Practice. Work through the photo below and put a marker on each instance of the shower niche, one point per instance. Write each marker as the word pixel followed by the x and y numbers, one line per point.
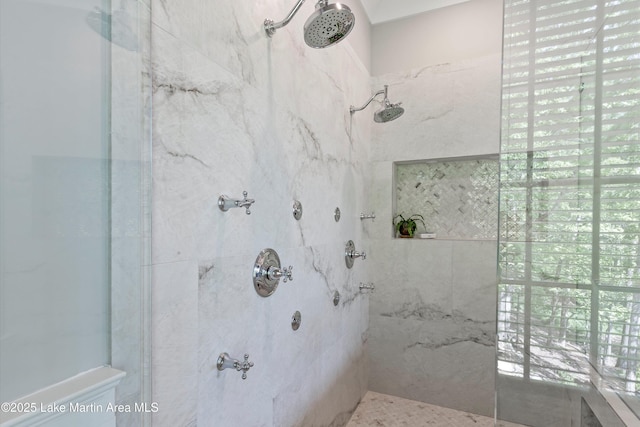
pixel 458 197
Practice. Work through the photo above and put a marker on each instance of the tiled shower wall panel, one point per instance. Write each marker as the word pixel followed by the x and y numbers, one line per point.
pixel 233 111
pixel 432 316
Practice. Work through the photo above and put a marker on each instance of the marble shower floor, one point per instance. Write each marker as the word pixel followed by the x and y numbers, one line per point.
pixel 382 410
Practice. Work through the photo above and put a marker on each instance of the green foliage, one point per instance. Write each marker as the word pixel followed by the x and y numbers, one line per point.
pixel 407 226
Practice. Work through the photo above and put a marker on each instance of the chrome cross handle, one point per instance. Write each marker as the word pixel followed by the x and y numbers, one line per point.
pixel 350 254
pixel 225 361
pixel 267 272
pixel 243 366
pixel 225 203
pixel 245 203
pixel 276 273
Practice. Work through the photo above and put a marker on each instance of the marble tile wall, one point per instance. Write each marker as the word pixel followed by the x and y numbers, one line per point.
pixel 233 111
pixel 432 316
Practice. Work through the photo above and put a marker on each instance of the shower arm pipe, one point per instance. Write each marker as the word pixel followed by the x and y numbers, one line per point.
pixel 353 109
pixel 270 27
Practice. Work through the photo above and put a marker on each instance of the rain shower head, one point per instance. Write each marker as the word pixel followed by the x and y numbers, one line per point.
pixel 388 111
pixel 328 24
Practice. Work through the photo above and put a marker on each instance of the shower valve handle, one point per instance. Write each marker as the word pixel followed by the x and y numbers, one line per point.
pixel 285 273
pixel 350 254
pixel 245 203
pixel 225 361
pixel 243 366
pixel 225 203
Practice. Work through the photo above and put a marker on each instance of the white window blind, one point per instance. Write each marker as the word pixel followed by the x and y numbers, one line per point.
pixel 570 191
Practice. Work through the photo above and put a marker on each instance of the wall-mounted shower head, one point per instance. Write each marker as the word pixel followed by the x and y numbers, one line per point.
pixel 388 111
pixel 328 24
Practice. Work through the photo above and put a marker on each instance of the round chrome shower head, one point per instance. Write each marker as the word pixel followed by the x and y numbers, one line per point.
pixel 329 24
pixel 388 112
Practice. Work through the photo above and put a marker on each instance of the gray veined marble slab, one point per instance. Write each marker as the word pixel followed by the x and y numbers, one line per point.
pixel 433 316
pixel 235 111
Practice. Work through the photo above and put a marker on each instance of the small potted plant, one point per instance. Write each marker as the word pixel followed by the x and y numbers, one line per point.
pixel 405 227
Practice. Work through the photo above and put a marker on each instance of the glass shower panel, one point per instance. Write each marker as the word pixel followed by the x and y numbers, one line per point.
pixel 55 194
pixel 569 293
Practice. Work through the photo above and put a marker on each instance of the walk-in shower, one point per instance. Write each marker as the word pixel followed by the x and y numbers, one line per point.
pixel 388 111
pixel 327 25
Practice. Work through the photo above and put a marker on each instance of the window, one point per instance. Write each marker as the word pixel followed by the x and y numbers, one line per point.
pixel 569 291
